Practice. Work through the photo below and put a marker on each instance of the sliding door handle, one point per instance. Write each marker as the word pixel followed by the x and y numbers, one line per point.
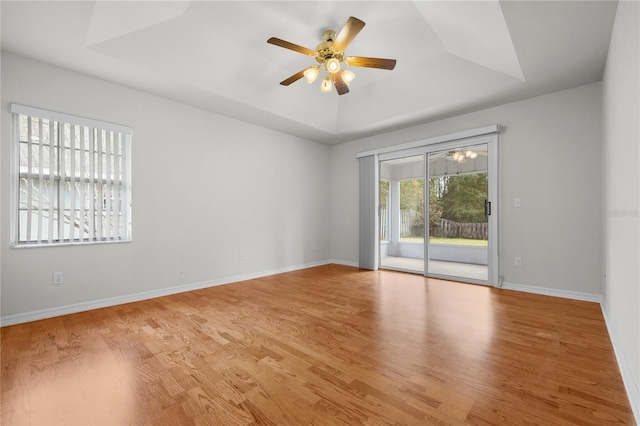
pixel 487 208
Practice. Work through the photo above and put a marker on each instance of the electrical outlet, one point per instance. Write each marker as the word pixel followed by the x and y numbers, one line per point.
pixel 241 256
pixel 517 261
pixel 58 278
pixel 517 203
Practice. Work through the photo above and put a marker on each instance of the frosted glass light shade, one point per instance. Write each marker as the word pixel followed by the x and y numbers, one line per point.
pixel 326 85
pixel 332 65
pixel 347 76
pixel 311 74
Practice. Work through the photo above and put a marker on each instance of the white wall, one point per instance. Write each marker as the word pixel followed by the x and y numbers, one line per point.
pixel 621 199
pixel 205 188
pixel 557 232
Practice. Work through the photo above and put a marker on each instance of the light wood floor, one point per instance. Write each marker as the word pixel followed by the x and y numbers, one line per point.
pixel 322 346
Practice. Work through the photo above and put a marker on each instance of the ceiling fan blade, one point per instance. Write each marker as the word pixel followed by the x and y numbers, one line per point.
pixel 350 30
pixel 341 86
pixel 297 76
pixel 291 46
pixel 359 61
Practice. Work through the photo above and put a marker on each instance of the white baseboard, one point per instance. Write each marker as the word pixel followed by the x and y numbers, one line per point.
pixel 136 297
pixel 630 384
pixel 344 262
pixel 546 291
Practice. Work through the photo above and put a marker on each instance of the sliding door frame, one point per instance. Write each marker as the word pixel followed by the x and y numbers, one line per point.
pixel 493 276
pixel 441 144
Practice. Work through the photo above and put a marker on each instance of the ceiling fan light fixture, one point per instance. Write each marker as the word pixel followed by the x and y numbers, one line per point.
pixel 326 85
pixel 461 156
pixel 347 76
pixel 332 65
pixel 329 54
pixel 312 73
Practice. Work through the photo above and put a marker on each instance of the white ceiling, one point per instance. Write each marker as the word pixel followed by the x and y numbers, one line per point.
pixel 453 56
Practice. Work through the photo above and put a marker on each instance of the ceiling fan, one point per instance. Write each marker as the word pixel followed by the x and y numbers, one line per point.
pixel 330 55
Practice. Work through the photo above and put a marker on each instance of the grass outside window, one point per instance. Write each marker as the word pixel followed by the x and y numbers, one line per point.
pixel 453 241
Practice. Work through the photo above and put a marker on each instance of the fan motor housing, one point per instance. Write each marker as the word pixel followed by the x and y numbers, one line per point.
pixel 325 51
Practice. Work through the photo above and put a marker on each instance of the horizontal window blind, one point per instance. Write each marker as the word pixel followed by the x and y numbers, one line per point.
pixel 73 179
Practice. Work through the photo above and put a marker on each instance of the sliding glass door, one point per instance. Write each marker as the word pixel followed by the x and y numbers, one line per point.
pixel 444 225
pixel 402 214
pixel 459 213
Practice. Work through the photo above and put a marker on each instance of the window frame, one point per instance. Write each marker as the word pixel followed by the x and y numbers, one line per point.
pixel 125 170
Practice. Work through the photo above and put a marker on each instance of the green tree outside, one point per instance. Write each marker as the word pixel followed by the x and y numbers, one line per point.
pixel 462 197
pixel 459 198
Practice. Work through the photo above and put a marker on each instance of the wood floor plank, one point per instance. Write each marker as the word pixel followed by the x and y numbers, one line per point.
pixel 331 345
